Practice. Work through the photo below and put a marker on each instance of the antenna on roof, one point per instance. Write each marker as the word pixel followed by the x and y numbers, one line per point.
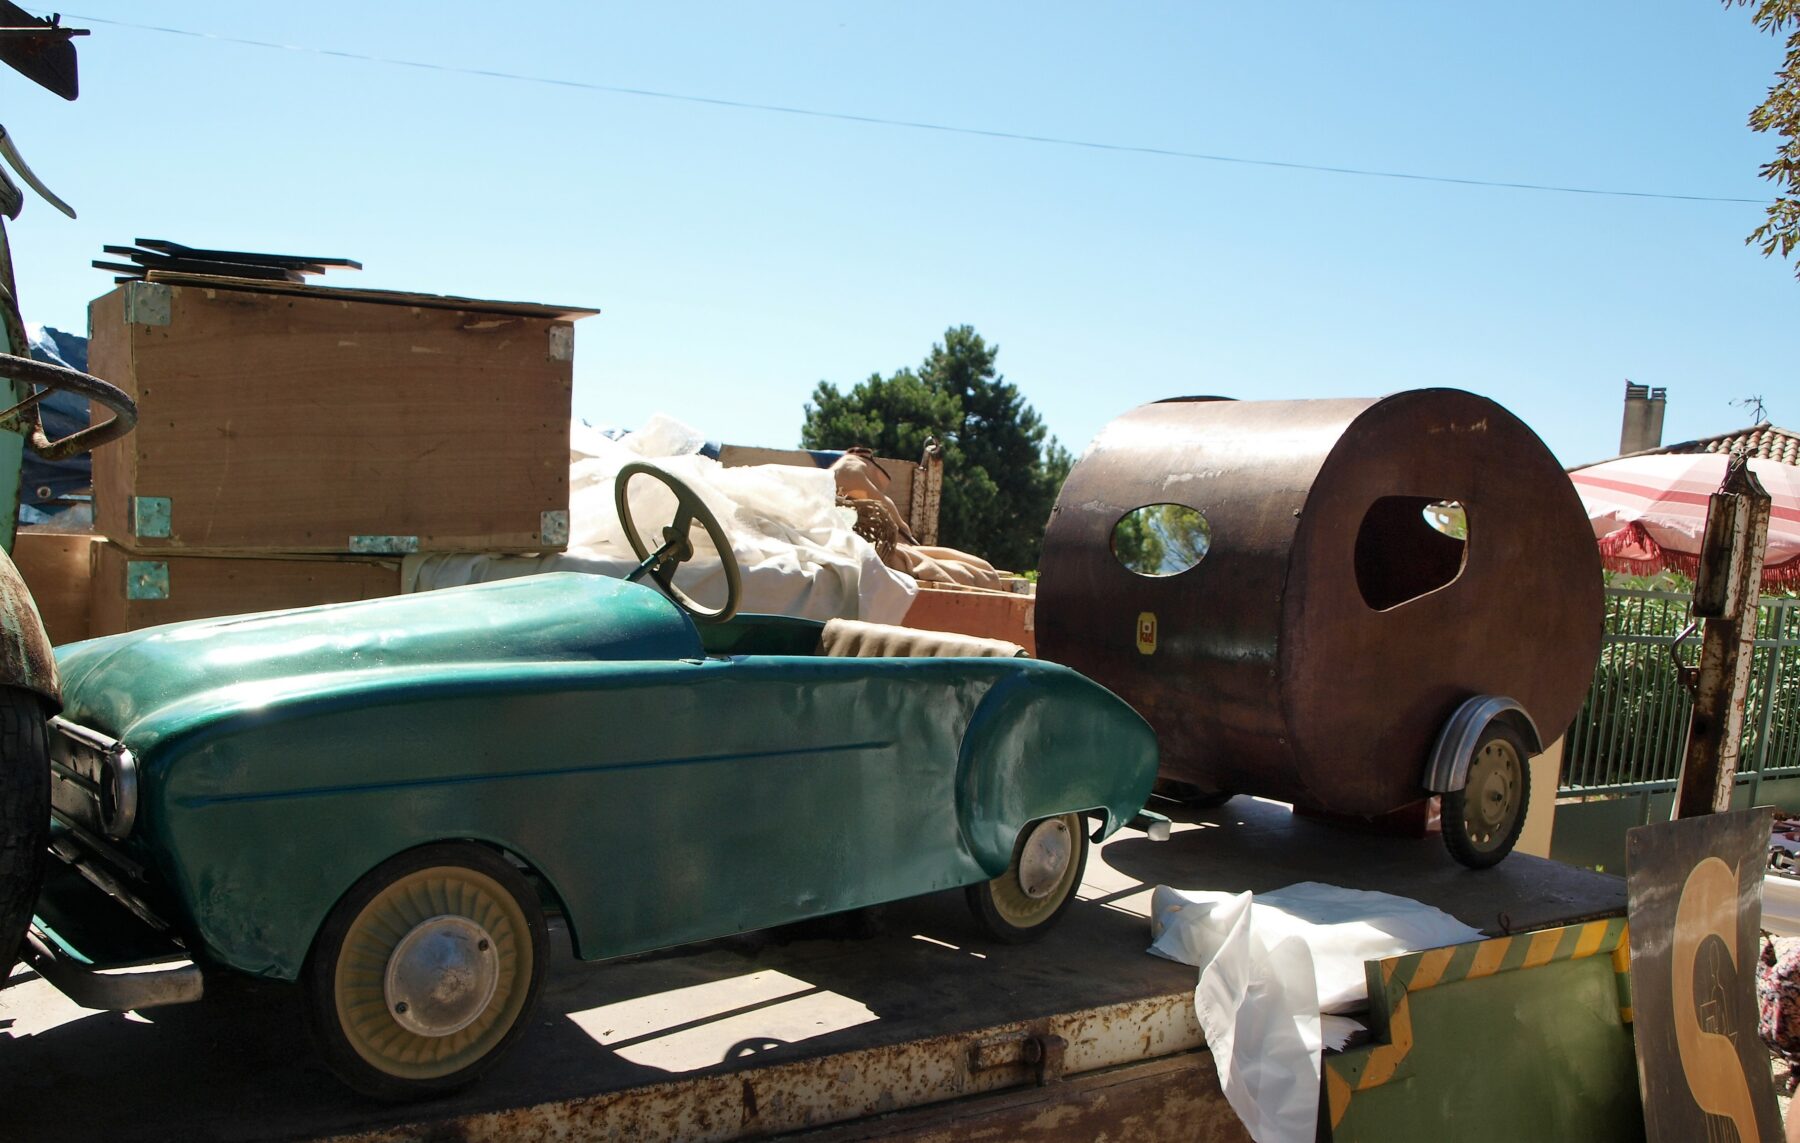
pixel 1758 412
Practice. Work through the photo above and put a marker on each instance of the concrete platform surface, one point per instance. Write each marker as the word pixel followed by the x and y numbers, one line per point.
pixel 237 1066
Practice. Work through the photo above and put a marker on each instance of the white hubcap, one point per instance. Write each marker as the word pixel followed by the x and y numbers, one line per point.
pixel 1044 858
pixel 441 976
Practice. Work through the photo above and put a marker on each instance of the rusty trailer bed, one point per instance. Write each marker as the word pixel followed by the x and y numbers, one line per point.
pixel 902 1023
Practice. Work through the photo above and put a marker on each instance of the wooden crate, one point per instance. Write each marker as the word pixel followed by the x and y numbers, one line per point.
pixel 132 590
pixel 59 569
pixel 974 611
pixel 292 418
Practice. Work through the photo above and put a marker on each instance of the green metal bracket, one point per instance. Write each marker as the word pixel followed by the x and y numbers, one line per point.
pixel 146 579
pixel 147 303
pixel 562 343
pixel 384 545
pixel 151 517
pixel 553 529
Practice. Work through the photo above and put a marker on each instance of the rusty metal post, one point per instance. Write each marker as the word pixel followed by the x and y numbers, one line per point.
pixel 1725 596
pixel 927 492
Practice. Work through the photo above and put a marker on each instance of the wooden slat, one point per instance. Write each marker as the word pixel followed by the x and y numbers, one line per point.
pixel 204 587
pixel 380 297
pixel 58 568
pixel 115 464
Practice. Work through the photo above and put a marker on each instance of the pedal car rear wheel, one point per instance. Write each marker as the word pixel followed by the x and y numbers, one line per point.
pixel 1047 863
pixel 24 816
pixel 1482 821
pixel 425 972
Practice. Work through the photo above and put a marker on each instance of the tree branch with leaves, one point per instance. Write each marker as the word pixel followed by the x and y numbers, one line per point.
pixel 1002 469
pixel 1780 114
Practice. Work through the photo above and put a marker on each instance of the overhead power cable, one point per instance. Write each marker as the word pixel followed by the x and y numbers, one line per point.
pixel 913 124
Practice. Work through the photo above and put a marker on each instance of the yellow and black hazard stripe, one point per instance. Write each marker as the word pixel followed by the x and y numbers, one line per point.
pixel 1392 981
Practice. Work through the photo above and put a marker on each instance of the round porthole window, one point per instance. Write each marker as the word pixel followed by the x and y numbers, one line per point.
pixel 1161 539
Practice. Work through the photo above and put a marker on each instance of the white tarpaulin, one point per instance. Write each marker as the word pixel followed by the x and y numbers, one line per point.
pixel 1269 966
pixel 794 545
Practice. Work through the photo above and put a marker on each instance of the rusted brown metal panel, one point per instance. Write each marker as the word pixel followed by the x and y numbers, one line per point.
pixel 844 1087
pixel 1282 664
pixel 1173 1100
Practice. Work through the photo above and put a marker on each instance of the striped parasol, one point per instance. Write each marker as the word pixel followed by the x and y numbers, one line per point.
pixel 1649 512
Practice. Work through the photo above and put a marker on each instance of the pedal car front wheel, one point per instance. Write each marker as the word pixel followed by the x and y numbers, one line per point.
pixel 425 972
pixel 1048 860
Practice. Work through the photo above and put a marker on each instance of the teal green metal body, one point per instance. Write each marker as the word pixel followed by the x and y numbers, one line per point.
pixel 662 795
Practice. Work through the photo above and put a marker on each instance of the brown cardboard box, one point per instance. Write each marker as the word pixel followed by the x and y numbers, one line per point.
pixel 58 568
pixel 292 418
pixel 136 589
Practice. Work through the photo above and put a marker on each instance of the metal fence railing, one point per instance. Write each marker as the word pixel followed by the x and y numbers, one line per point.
pixel 1632 729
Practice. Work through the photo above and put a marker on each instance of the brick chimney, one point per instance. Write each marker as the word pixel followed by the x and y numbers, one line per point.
pixel 1643 418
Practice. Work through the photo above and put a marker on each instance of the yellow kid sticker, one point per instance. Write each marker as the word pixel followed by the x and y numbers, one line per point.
pixel 1146 632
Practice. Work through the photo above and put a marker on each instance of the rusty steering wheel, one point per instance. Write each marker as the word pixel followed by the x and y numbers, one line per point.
pixel 44 379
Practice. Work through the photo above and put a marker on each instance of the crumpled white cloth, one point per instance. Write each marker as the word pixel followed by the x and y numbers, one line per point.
pixel 794 546
pixel 1270 965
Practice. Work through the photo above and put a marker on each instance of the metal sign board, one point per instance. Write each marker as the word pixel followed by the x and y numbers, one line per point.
pixel 1694 891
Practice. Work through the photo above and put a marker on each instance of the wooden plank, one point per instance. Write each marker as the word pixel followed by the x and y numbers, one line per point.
pixel 115 464
pixel 204 587
pixel 273 422
pixel 288 261
pixel 380 297
pixel 58 568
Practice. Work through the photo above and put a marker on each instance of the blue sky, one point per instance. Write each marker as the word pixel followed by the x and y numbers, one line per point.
pixel 741 256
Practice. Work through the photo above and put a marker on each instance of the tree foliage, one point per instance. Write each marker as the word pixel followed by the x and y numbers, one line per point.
pixel 1780 114
pixel 1002 470
pixel 1161 539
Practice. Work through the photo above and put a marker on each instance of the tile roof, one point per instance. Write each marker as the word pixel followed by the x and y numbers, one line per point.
pixel 1765 441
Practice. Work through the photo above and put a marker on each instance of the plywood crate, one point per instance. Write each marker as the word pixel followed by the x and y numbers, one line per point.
pixel 59 569
pixel 975 611
pixel 132 590
pixel 293 418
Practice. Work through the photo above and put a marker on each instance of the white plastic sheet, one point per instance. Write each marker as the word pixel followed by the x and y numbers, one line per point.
pixel 794 546
pixel 1270 965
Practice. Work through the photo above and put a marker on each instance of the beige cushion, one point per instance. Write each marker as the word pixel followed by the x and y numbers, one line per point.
pixel 854 639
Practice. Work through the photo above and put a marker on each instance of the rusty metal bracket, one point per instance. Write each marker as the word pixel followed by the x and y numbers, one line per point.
pixel 1044 1052
pixel 1687 676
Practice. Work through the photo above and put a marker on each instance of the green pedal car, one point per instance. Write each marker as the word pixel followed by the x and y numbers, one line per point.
pixel 379 801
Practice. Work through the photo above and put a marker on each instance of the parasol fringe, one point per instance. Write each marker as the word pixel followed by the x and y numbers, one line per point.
pixel 1631 551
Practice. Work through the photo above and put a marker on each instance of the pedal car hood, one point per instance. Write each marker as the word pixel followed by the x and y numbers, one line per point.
pixel 118 683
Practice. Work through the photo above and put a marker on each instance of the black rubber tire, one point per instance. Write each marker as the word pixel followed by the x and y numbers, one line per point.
pixel 994 921
pixel 1453 817
pixel 24 815
pixel 318 977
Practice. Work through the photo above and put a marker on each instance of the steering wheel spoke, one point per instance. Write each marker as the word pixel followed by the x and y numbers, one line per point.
pixel 677 546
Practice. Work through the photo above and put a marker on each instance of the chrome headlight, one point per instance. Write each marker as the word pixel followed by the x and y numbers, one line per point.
pixel 93 780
